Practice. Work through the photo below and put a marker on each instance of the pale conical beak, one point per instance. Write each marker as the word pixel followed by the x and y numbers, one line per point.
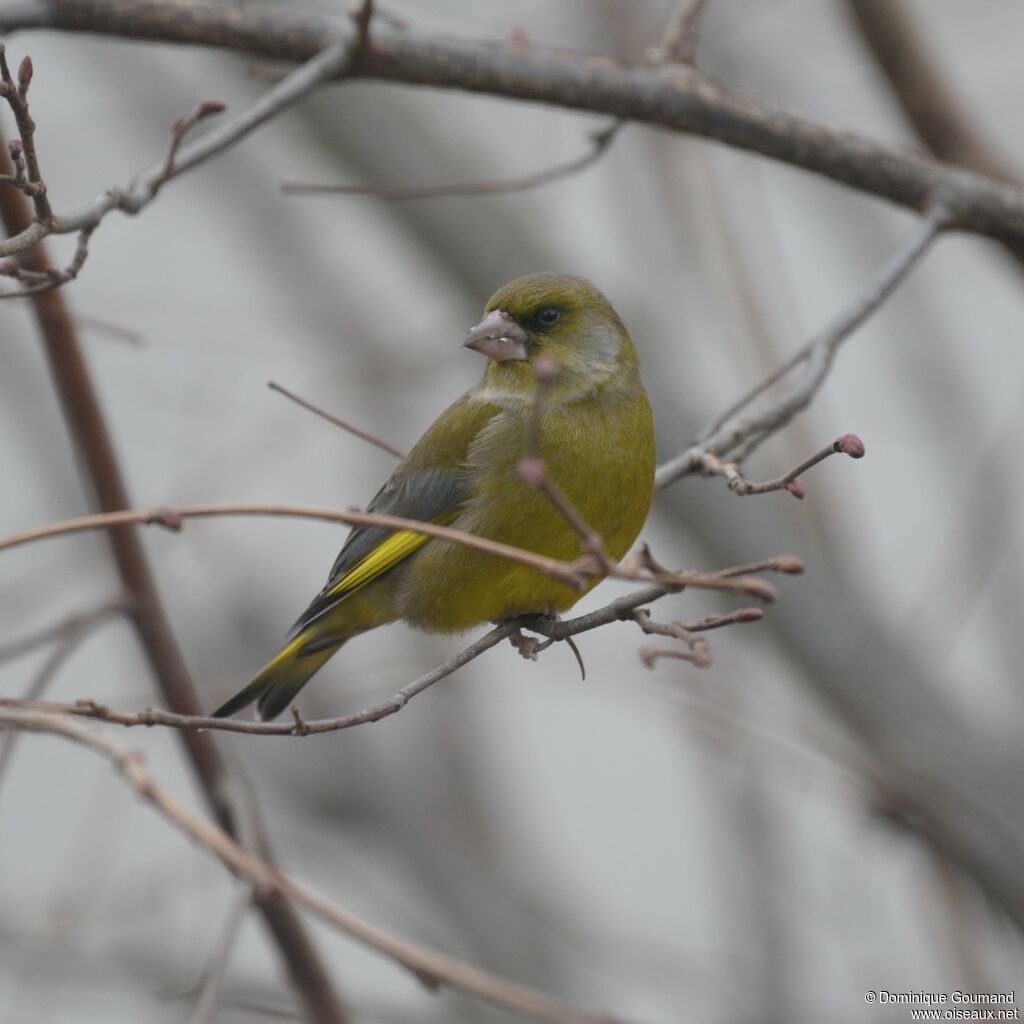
pixel 498 337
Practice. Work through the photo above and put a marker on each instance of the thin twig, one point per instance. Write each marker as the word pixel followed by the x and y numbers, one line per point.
pixel 679 43
pixel 70 626
pixel 534 474
pixel 848 444
pixel 571 574
pixel 729 431
pixel 298 726
pixel 213 974
pixel 222 784
pixel 618 610
pixel 330 62
pixel 433 968
pixel 69 634
pixel 686 102
pixel 331 418
pixel 24 147
pixel 698 654
pixel 172 518
pixel 599 143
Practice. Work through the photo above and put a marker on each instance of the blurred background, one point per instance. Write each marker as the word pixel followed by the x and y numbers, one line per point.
pixel 671 845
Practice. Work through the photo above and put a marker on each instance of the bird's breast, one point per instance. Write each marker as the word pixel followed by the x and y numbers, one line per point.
pixel 600 453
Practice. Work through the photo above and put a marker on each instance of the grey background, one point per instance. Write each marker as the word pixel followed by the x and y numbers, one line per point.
pixel 670 845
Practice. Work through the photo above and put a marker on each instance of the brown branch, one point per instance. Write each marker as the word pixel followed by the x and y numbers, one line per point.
pixel 926 99
pixel 568 573
pixel 699 655
pixel 330 61
pixel 181 127
pixel 918 84
pixel 848 444
pixel 534 474
pixel 732 431
pixel 37 281
pixel 69 635
pixel 571 574
pixel 618 610
pixel 433 968
pixel 685 102
pixel 682 32
pixel 24 148
pixel 361 434
pixel 60 631
pixel 298 727
pixel 224 788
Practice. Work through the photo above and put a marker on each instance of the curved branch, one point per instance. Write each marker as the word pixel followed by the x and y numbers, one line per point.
pixel 669 97
pixel 570 574
pixel 433 968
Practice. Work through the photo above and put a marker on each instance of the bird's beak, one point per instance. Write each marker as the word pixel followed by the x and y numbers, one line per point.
pixel 498 337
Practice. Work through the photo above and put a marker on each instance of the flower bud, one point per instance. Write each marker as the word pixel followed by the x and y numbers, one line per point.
pixel 849 444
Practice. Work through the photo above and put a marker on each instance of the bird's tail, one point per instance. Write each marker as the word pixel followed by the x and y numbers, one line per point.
pixel 278 682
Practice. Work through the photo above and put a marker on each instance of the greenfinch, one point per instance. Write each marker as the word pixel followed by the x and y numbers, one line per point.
pixel 592 431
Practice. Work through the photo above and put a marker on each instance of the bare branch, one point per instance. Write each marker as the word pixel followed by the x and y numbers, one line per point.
pixel 699 655
pixel 299 726
pixel 181 128
pixel 599 143
pixel 618 610
pixel 334 59
pixel 679 42
pixel 434 969
pixel 848 444
pixel 24 148
pixel 37 281
pixel 222 785
pixel 69 635
pixel 683 102
pixel 60 631
pixel 361 434
pixel 565 572
pixel 730 431
pixel 571 574
pixel 213 975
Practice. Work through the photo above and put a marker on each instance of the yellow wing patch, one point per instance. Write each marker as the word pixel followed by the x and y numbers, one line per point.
pixel 387 553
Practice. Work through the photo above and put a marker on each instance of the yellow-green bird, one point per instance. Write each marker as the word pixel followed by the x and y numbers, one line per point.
pixel 594 434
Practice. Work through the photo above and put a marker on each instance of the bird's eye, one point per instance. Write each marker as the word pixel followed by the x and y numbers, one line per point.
pixel 548 315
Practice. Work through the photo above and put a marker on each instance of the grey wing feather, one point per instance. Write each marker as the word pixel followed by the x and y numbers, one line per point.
pixel 425 493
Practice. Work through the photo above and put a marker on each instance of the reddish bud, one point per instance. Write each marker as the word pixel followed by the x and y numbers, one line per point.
pixel 796 488
pixel 849 444
pixel 757 588
pixel 546 369
pixel 518 38
pixel 179 125
pixel 210 107
pixel 9 268
pixel 531 471
pixel 749 615
pixel 14 147
pixel 649 656
pixel 789 564
pixel 25 72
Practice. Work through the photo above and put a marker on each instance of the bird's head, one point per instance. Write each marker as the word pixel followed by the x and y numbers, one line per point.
pixel 553 317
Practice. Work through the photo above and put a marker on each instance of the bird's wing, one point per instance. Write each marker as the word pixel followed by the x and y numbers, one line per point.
pixel 431 485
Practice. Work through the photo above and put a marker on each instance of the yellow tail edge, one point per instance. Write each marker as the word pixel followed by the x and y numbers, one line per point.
pixel 277 684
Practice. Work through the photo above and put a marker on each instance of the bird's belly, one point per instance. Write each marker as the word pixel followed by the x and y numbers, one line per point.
pixel 449 588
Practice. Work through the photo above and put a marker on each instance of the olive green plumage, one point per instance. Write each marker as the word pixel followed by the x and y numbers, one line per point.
pixel 595 437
